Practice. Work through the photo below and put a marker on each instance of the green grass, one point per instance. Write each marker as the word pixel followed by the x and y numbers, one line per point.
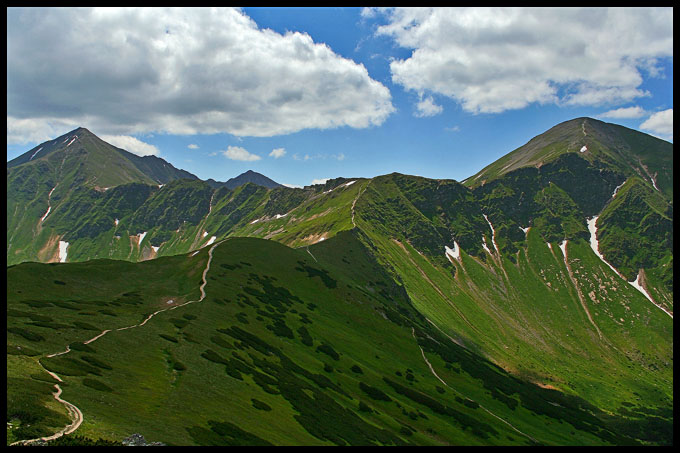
pixel 356 317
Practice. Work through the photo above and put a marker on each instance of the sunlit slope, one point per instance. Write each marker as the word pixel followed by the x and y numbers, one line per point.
pixel 576 325
pixel 622 149
pixel 54 188
pixel 138 221
pixel 310 346
pixel 54 306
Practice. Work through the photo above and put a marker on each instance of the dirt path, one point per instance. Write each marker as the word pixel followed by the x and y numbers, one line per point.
pixel 73 411
pixel 413 332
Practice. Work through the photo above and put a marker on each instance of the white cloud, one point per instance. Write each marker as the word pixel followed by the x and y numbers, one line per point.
pixel 426 107
pixel 660 123
pixel 277 152
pixel 238 153
pixel 320 181
pixel 496 59
pixel 193 146
pixel 181 71
pixel 29 130
pixel 626 112
pixel 131 144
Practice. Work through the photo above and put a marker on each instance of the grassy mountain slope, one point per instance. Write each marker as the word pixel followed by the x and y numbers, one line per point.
pixel 310 346
pixel 495 287
pixel 626 150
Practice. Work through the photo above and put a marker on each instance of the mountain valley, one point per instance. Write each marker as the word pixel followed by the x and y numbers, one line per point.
pixel 530 304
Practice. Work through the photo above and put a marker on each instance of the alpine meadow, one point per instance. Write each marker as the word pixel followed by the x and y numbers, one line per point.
pixel 528 304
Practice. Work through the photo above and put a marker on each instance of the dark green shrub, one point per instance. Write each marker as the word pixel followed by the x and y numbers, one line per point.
pixel 257 404
pixel 374 392
pixel 328 350
pixel 97 385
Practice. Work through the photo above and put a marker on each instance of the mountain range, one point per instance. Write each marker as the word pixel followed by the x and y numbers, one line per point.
pixel 530 304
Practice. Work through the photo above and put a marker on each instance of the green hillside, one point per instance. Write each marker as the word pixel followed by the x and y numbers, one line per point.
pixel 314 346
pixel 530 304
pixel 626 150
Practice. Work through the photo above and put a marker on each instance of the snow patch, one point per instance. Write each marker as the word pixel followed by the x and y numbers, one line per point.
pixel 617 188
pixel 160 185
pixel 493 233
pixel 584 149
pixel 594 244
pixel 116 221
pixel 49 207
pixel 155 249
pixel 212 239
pixel 255 221
pixel 279 216
pixel 69 143
pixel 636 284
pixel 141 237
pixel 484 246
pixel 205 233
pixel 453 253
pixel 63 247
pixel 549 245
pixel 526 230
pixel 654 183
pixel 194 253
pixel 347 184
pixel 33 155
pixel 563 247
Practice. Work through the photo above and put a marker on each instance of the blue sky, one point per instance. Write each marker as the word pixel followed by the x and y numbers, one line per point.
pixel 304 94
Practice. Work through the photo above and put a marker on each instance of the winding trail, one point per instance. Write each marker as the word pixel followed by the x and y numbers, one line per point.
pixel 73 411
pixel 413 333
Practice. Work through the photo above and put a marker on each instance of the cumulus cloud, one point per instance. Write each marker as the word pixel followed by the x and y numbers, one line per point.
pixel 495 59
pixel 131 144
pixel 127 71
pixel 660 123
pixel 277 152
pixel 426 107
pixel 238 153
pixel 192 146
pixel 626 112
pixel 30 130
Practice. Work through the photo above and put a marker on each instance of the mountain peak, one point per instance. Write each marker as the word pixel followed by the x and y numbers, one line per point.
pixel 614 146
pixel 254 177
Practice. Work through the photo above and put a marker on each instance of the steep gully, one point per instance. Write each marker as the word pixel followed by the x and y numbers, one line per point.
pixel 75 413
